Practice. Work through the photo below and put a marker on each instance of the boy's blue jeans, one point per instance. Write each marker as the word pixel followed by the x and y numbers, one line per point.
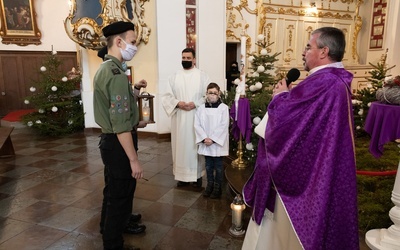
pixel 214 163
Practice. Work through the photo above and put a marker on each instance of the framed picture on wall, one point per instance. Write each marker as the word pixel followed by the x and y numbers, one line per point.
pixel 18 22
pixel 378 24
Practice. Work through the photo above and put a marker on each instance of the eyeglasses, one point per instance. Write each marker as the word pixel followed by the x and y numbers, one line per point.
pixel 307 48
pixel 212 93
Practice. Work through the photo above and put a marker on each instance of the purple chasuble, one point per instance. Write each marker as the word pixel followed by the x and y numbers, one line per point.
pixel 243 124
pixel 308 157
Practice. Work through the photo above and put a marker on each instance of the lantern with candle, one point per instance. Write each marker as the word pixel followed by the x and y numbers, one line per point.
pixel 237 207
pixel 146 107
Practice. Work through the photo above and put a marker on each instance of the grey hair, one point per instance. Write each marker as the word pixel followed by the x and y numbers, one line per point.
pixel 334 39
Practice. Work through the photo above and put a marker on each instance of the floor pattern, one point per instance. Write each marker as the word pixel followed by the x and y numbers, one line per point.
pixel 51 194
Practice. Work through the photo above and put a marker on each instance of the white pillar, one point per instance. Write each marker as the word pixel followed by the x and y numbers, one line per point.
pixel 87 89
pixel 392 35
pixel 388 239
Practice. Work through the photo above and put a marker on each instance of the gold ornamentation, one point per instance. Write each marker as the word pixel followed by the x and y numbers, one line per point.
pixel 269 27
pixel 236 23
pixel 302 11
pixel 88 33
pixel 357 27
pixel 244 5
pixel 290 28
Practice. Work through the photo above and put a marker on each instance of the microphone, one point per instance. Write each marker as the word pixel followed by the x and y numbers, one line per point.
pixel 292 76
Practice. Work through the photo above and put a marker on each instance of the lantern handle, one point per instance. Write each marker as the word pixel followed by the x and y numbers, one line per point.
pixel 144 93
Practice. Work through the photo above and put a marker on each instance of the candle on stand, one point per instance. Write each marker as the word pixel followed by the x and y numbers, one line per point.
pixel 243 40
pixel 146 113
pixel 237 207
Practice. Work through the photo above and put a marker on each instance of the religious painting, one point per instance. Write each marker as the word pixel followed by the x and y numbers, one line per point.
pixel 18 22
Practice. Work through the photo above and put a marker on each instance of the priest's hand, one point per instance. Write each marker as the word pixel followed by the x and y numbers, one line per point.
pixel 190 106
pixel 280 87
pixel 187 106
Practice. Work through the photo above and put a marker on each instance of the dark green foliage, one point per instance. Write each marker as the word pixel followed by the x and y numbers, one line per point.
pixel 374 201
pixel 365 96
pixel 374 192
pixel 56 99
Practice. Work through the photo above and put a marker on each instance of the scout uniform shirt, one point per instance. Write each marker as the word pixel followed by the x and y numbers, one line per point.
pixel 115 108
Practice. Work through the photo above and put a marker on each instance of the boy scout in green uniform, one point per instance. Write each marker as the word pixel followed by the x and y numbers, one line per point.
pixel 116 112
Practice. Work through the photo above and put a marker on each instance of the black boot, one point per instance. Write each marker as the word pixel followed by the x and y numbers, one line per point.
pixel 198 183
pixel 209 189
pixel 216 193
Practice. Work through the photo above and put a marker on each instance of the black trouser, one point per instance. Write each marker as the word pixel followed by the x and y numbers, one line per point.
pixel 118 191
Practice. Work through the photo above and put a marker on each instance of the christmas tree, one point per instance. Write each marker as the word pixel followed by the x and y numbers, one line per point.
pixel 259 85
pixel 56 99
pixel 363 97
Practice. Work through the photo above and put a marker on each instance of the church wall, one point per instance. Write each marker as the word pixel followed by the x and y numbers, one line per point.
pixel 51 25
pixel 171 36
pixel 284 23
pixel 158 59
pixel 211 40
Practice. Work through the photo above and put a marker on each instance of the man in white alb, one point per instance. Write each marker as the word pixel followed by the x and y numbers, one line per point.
pixel 184 93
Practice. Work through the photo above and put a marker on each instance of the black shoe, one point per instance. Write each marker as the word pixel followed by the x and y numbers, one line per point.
pixel 216 193
pixel 182 184
pixel 134 229
pixel 209 189
pixel 198 183
pixel 135 218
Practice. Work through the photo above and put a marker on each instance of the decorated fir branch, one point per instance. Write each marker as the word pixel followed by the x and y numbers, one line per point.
pixel 56 99
pixel 363 97
pixel 259 84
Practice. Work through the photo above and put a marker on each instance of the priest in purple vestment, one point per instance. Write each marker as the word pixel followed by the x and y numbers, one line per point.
pixel 307 159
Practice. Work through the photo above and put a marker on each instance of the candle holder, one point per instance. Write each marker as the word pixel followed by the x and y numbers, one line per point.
pixel 239 162
pixel 237 207
pixel 146 107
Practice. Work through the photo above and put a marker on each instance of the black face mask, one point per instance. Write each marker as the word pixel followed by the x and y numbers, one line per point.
pixel 187 64
pixel 234 68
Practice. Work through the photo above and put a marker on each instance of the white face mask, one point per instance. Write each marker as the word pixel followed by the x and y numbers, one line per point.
pixel 212 98
pixel 129 52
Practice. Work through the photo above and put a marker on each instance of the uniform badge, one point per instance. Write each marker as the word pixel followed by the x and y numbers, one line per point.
pixel 118 97
pixel 116 71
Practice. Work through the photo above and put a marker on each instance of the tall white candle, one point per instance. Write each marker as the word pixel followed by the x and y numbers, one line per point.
pixel 243 40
